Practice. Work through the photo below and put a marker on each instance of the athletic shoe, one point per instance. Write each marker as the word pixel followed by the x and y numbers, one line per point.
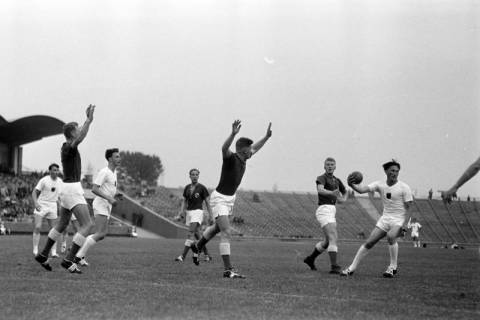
pixel 390 272
pixel 208 258
pixel 179 259
pixel 55 255
pixel 310 262
pixel 347 272
pixel 35 252
pixel 83 262
pixel 195 259
pixel 43 262
pixel 70 266
pixel 232 274
pixel 64 247
pixel 335 269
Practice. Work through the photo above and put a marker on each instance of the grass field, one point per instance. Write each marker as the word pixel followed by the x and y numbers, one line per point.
pixel 138 279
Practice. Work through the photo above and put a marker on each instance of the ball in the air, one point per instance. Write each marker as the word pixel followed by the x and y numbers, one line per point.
pixel 355 177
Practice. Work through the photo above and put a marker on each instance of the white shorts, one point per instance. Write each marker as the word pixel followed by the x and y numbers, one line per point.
pixel 326 214
pixel 221 204
pixel 194 216
pixel 101 207
pixel 387 223
pixel 48 210
pixel 71 195
pixel 415 235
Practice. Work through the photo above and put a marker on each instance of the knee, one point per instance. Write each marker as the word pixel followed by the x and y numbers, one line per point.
pixel 369 245
pixel 225 234
pixel 391 240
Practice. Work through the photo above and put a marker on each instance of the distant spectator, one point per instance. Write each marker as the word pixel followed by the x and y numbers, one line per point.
pixel 468 198
pixel 3 230
pixel 430 194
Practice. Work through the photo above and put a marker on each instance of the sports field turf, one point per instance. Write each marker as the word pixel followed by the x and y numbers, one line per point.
pixel 138 279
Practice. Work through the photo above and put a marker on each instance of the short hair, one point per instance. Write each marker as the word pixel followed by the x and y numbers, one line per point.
pixel 243 142
pixel 110 152
pixel 192 170
pixel 68 129
pixel 388 164
pixel 53 165
pixel 330 159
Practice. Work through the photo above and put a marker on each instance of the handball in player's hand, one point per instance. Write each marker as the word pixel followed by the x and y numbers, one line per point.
pixel 355 177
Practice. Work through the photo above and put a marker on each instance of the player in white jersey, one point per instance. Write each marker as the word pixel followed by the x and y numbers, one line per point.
pixel 45 198
pixel 397 199
pixel 415 226
pixel 105 189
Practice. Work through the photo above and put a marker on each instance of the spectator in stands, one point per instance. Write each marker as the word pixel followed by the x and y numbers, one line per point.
pixel 330 189
pixel 471 171
pixel 45 198
pixel 430 194
pixel 397 199
pixel 415 226
pixel 3 230
pixel 194 195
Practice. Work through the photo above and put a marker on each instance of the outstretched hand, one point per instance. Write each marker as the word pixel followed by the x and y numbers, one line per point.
pixel 90 111
pixel 236 125
pixel 269 130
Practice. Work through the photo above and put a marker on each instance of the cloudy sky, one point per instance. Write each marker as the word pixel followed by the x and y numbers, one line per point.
pixel 362 81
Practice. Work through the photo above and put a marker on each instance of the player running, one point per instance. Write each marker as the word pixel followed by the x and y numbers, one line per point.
pixel 223 198
pixel 71 196
pixel 330 190
pixel 194 195
pixel 397 199
pixel 105 190
pixel 45 198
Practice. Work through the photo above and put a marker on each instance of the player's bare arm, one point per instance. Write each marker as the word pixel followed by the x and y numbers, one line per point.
pixel 471 171
pixel 360 188
pixel 86 126
pixel 236 125
pixel 97 191
pixel 259 144
pixel 35 194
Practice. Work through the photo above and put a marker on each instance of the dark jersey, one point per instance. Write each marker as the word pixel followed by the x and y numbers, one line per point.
pixel 195 195
pixel 71 163
pixel 329 183
pixel 233 169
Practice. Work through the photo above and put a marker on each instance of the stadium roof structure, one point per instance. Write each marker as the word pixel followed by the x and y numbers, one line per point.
pixel 29 129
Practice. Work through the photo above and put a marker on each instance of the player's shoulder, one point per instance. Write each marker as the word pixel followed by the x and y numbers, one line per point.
pixel 403 185
pixel 321 178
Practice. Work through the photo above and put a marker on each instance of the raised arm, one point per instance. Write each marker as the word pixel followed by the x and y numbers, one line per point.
pixel 259 144
pixel 236 125
pixel 360 188
pixel 84 130
pixel 471 171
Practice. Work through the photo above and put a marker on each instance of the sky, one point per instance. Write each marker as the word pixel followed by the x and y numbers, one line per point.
pixel 360 81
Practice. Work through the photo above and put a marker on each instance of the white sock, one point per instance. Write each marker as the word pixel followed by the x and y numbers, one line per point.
pixel 393 249
pixel 89 241
pixel 36 241
pixel 54 249
pixel 361 253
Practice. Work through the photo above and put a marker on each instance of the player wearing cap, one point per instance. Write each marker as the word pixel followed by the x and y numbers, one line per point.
pixel 397 199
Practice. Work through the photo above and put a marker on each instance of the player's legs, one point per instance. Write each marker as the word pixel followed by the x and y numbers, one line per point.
pixel 223 223
pixel 55 232
pixel 330 231
pixel 51 224
pixel 392 236
pixel 191 235
pixel 82 214
pixel 101 230
pixel 37 225
pixel 374 237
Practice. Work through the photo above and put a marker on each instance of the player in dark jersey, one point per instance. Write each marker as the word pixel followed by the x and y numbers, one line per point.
pixel 469 173
pixel 194 195
pixel 223 198
pixel 71 196
pixel 330 190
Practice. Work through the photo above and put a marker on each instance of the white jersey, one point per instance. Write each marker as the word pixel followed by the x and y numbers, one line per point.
pixel 107 181
pixel 393 197
pixel 415 226
pixel 49 188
